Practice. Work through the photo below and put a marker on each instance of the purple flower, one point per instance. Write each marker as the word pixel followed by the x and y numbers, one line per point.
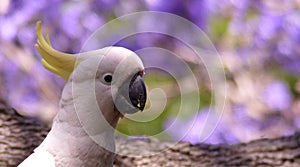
pixel 243 120
pixel 277 96
pixel 271 29
pixel 8 29
pixel 104 7
pixel 195 11
pixel 198 127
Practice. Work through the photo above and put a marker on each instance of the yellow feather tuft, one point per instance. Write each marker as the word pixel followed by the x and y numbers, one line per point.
pixel 55 61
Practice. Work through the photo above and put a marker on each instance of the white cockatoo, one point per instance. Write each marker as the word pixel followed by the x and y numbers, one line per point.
pixel 101 86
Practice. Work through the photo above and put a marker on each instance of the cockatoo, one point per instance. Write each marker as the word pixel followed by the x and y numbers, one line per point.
pixel 101 87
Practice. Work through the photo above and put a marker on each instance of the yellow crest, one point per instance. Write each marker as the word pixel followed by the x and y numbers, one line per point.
pixel 55 61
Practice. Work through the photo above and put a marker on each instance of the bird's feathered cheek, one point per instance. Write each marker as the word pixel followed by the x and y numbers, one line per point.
pixel 103 90
pixel 121 115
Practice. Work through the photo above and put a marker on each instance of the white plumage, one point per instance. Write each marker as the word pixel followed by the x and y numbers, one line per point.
pixel 40 158
pixel 92 102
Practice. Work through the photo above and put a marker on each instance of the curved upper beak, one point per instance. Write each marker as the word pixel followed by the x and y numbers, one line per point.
pixel 137 92
pixel 131 96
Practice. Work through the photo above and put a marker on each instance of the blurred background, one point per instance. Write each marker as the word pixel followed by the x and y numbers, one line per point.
pixel 259 44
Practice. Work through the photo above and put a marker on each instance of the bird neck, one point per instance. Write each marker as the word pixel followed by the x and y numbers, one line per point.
pixel 71 146
pixel 69 139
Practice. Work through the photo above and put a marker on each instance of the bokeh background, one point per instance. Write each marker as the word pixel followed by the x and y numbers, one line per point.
pixel 259 43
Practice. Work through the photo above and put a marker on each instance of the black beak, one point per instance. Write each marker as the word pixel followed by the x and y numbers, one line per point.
pixel 131 96
pixel 137 92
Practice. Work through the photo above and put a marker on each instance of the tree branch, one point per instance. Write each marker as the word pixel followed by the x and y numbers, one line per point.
pixel 20 135
pixel 284 151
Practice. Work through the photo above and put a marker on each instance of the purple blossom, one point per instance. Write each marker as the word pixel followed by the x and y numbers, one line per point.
pixel 195 11
pixel 272 30
pixel 16 22
pixel 242 118
pixel 8 30
pixel 277 96
pixel 104 7
pixel 193 129
pixel 269 27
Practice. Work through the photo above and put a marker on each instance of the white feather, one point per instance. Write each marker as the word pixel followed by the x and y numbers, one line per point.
pixel 81 134
pixel 39 158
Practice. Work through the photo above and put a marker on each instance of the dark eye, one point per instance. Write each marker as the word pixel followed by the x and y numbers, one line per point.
pixel 107 78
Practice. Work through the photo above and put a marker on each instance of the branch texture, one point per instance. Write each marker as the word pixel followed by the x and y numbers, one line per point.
pixel 284 151
pixel 20 135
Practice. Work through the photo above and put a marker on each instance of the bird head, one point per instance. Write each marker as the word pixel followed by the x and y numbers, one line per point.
pixel 113 75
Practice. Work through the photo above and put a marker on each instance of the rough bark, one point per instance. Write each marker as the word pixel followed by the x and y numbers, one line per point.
pixel 284 151
pixel 19 136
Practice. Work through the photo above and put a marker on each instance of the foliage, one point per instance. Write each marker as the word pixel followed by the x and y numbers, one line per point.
pixel 258 41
